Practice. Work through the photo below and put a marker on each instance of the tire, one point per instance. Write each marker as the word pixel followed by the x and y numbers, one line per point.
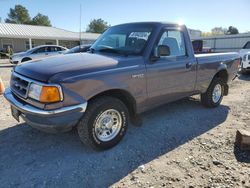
pixel 26 59
pixel 88 126
pixel 207 98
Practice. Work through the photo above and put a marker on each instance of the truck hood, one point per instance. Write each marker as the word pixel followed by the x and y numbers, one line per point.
pixel 81 63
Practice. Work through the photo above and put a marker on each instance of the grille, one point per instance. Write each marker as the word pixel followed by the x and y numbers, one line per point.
pixel 19 85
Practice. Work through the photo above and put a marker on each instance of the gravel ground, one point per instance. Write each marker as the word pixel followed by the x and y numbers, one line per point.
pixel 181 144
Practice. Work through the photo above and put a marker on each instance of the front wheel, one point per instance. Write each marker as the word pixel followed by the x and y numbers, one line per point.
pixel 214 94
pixel 104 123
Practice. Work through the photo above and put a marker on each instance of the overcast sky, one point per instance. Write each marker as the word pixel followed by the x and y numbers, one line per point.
pixel 196 14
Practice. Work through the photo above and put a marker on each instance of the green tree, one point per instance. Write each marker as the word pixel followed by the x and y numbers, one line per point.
pixel 40 19
pixel 218 31
pixel 18 15
pixel 232 30
pixel 206 34
pixel 97 26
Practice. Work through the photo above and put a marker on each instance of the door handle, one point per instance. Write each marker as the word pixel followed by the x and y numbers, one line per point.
pixel 189 65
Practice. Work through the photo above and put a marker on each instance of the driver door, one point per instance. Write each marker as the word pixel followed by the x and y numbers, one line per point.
pixel 173 76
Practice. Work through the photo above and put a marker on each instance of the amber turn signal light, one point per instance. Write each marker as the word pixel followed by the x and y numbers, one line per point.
pixel 50 94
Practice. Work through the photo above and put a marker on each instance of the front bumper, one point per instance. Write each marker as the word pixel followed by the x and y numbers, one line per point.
pixel 245 64
pixel 14 61
pixel 58 120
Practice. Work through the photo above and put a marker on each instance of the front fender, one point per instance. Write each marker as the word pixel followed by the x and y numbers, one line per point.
pixel 84 87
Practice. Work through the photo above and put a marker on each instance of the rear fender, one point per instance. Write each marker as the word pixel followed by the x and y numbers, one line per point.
pixel 223 73
pixel 222 67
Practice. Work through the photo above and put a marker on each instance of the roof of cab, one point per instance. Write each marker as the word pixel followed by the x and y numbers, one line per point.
pixel 152 23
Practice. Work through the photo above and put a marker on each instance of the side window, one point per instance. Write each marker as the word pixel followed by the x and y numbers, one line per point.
pixel 40 50
pixel 53 49
pixel 58 49
pixel 175 41
pixel 49 49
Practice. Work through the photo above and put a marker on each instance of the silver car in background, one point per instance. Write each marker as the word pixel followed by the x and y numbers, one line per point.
pixel 78 49
pixel 36 53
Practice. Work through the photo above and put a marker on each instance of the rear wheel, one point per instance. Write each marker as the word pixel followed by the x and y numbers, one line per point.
pixel 214 94
pixel 104 123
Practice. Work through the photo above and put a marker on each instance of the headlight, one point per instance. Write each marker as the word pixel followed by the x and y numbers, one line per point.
pixel 46 94
pixel 35 91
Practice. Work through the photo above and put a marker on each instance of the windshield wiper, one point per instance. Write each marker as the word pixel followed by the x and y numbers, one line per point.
pixel 91 50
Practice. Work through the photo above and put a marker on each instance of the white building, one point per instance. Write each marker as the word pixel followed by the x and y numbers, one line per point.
pixel 225 43
pixel 194 33
pixel 23 37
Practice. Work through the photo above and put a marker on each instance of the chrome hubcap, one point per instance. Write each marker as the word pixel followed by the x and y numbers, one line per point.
pixel 108 125
pixel 217 92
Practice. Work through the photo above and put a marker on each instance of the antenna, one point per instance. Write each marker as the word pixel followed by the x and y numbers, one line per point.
pixel 80 33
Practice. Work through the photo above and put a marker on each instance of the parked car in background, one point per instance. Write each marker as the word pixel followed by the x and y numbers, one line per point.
pixel 245 63
pixel 245 49
pixel 131 68
pixel 36 53
pixel 199 48
pixel 78 49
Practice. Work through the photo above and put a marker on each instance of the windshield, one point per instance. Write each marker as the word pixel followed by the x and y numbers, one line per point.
pixel 32 49
pixel 124 39
pixel 247 45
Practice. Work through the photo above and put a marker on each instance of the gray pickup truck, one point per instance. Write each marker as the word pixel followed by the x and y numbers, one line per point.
pixel 131 68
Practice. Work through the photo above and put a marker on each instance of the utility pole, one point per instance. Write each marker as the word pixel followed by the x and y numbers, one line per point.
pixel 80 32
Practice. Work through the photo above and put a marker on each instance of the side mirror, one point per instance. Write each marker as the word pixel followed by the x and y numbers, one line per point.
pixel 161 50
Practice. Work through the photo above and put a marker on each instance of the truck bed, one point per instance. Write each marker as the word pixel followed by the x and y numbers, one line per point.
pixel 210 63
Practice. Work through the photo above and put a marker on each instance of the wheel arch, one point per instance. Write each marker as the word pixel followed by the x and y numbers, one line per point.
pixel 26 59
pixel 121 94
pixel 223 74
